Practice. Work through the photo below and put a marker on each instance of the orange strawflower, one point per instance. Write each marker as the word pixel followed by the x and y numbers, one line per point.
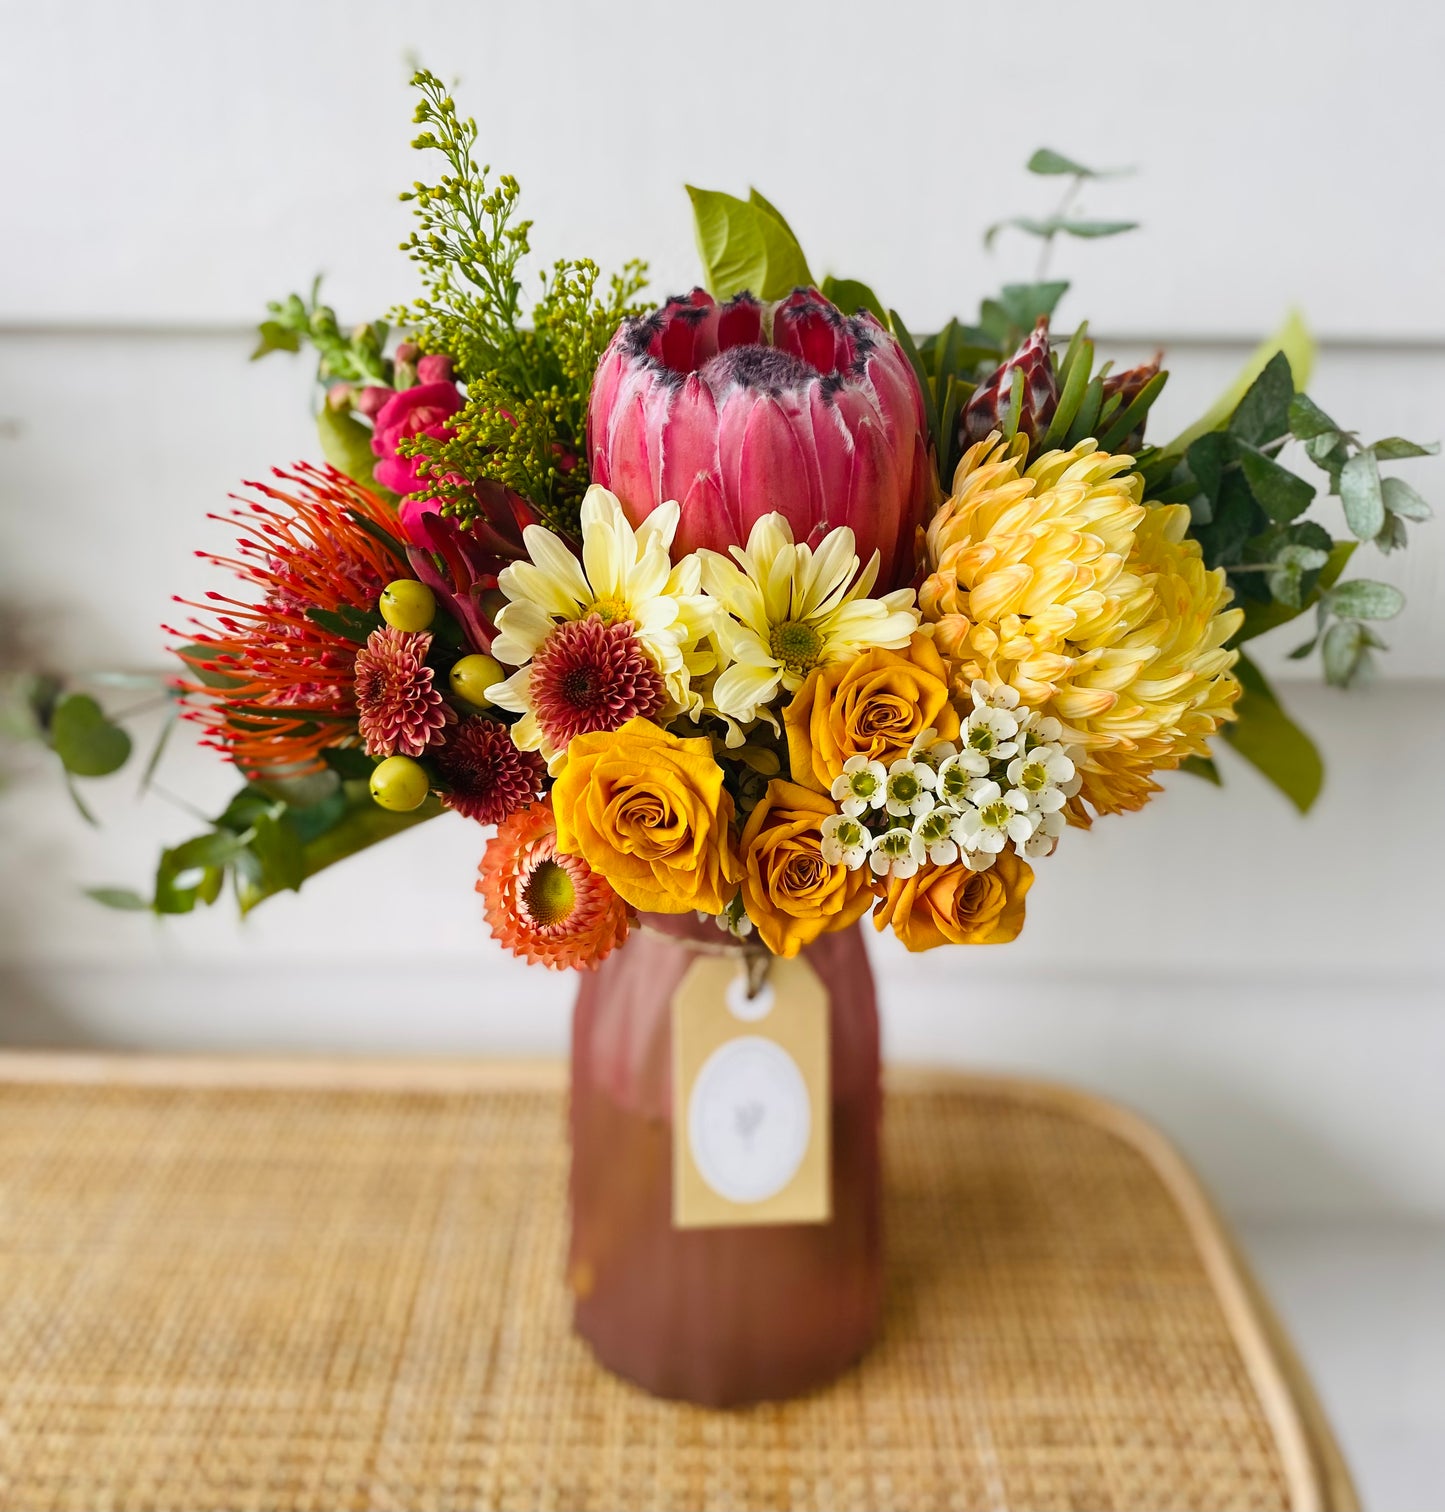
pixel 543 905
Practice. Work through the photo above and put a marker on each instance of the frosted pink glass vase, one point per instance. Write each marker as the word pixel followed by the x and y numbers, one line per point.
pixel 718 1316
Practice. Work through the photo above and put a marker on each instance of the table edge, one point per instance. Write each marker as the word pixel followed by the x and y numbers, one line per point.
pixel 1318 1476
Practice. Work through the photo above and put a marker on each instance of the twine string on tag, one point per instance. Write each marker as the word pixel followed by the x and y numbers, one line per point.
pixel 756 961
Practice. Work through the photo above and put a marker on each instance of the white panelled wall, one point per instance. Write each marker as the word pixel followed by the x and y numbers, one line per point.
pixel 1271 990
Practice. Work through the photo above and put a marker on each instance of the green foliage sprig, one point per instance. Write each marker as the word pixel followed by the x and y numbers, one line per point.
pixel 1248 515
pixel 525 420
pixel 356 357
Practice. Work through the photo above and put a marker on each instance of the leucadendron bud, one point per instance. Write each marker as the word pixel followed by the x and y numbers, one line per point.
pixel 992 401
pixel 1129 385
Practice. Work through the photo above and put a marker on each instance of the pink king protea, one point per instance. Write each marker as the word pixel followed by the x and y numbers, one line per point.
pixel 816 415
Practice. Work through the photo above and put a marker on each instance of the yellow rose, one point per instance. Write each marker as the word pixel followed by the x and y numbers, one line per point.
pixel 951 905
pixel 648 811
pixel 873 706
pixel 792 894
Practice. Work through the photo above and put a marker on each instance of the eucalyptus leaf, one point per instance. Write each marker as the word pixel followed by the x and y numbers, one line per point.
pixel 745 247
pixel 1018 307
pixel 1344 649
pixel 88 744
pixel 1362 495
pixel 124 898
pixel 1260 618
pixel 1271 741
pixel 1398 449
pixel 1048 162
pixel 1362 598
pixel 1402 500
pixel 1055 225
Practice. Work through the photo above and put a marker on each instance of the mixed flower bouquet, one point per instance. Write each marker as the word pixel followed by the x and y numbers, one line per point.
pixel 750 604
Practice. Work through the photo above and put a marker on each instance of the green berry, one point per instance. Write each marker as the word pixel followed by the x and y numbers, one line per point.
pixel 399 784
pixel 473 675
pixel 407 604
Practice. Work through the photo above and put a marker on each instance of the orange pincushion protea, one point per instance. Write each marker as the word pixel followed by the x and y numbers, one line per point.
pixel 276 687
pixel 543 905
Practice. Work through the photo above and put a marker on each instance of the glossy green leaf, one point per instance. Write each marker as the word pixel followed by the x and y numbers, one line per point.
pixel 1128 420
pixel 1307 419
pixel 745 246
pixel 1202 766
pixel 910 350
pixel 851 296
pixel 346 444
pixel 88 744
pixel 1283 495
pixel 1074 374
pixel 353 624
pixel 1293 339
pixel 1271 741
pixel 363 824
pixel 1263 414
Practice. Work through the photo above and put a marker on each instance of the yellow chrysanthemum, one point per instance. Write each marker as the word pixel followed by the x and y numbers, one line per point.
pixel 1059 581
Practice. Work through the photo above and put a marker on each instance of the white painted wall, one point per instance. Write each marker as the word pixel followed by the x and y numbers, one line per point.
pixel 1269 989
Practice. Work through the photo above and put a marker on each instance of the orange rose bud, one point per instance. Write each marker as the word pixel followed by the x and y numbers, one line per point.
pixel 792 894
pixel 875 706
pixel 951 905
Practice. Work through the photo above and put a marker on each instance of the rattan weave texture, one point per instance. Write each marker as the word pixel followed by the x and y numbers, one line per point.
pixel 332 1298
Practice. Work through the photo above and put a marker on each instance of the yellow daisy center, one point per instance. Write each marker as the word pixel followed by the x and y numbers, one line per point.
pixel 795 645
pixel 610 610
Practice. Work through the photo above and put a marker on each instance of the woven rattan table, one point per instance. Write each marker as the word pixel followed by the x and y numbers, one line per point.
pixel 303 1285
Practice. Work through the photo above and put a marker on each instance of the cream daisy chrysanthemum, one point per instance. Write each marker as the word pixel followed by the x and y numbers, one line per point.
pixel 787 609
pixel 1057 581
pixel 625 577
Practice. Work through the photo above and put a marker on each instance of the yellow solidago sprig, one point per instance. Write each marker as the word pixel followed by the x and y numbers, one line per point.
pixel 787 609
pixel 618 635
pixel 1056 581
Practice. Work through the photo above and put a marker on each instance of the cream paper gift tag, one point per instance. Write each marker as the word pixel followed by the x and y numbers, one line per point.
pixel 750 1101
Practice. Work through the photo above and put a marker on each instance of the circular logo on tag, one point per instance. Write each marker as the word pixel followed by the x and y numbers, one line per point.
pixel 748 1119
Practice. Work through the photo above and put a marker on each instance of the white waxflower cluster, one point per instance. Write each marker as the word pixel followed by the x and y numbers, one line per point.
pixel 1004 781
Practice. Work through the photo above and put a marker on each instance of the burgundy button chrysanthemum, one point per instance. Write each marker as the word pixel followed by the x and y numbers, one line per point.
pixel 589 676
pixel 400 712
pixel 486 776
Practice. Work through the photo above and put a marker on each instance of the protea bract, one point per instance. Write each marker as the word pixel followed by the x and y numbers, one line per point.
pixel 741 410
